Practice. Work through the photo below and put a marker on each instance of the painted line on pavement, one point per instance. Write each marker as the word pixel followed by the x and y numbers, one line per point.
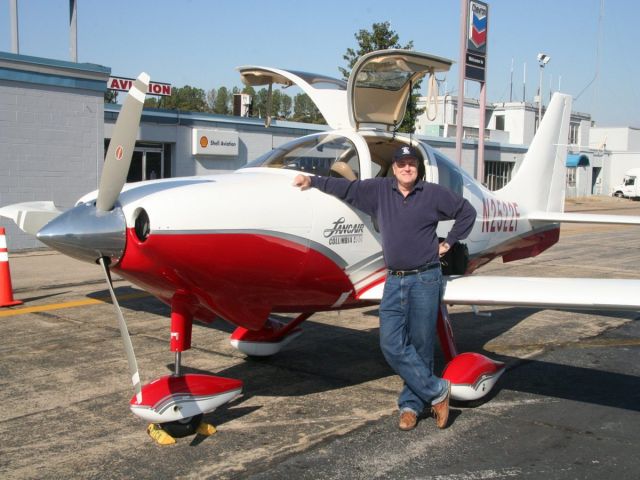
pixel 71 304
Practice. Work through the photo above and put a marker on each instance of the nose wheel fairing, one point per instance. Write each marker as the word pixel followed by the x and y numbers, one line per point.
pixel 171 398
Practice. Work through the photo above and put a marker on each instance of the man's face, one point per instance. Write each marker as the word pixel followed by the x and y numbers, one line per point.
pixel 406 171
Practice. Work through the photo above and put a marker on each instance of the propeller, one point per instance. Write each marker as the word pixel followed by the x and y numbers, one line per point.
pixel 114 176
pixel 118 157
pixel 124 333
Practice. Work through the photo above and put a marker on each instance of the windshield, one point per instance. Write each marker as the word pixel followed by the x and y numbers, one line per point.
pixel 325 154
pixel 448 174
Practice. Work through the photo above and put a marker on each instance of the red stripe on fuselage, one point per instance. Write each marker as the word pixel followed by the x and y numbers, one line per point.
pixel 518 248
pixel 241 277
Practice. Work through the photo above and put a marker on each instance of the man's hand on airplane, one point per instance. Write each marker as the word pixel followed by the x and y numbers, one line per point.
pixel 302 181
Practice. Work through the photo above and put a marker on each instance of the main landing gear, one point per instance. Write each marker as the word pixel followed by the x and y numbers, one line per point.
pixel 270 339
pixel 472 375
pixel 175 404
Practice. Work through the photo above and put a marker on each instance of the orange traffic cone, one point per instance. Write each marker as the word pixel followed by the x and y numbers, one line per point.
pixel 6 291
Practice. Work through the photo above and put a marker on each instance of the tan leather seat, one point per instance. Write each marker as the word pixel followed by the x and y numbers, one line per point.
pixel 344 170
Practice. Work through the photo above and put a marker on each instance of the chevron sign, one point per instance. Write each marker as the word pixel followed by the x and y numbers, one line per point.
pixel 477 34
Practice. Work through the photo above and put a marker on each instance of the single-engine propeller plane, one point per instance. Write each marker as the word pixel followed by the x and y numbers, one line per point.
pixel 247 244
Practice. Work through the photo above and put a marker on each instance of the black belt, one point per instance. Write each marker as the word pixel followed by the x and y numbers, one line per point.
pixel 424 268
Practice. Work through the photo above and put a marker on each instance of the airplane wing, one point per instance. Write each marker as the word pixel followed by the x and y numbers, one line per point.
pixel 30 216
pixel 576 293
pixel 567 217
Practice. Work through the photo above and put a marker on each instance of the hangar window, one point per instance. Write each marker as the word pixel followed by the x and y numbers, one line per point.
pixel 325 154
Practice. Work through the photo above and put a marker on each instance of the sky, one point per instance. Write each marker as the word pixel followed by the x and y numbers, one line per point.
pixel 592 43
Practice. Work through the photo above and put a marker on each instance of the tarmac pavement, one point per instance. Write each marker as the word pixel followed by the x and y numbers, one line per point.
pixel 567 407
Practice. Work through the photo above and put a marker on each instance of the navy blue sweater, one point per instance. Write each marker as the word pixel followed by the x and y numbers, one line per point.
pixel 407 225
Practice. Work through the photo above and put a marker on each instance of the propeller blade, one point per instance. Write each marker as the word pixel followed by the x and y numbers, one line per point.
pixel 118 158
pixel 124 333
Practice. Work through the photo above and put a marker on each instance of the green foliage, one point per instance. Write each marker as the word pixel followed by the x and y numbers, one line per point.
pixel 110 96
pixel 304 110
pixel 151 102
pixel 211 99
pixel 382 37
pixel 186 98
pixel 285 106
pixel 222 101
pixel 280 104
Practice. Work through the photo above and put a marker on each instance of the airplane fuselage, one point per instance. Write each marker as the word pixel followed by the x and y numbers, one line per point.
pixel 245 244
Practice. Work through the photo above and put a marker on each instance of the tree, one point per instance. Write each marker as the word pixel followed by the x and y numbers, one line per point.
pixel 382 37
pixel 151 102
pixel 260 103
pixel 110 96
pixel 304 110
pixel 285 106
pixel 211 99
pixel 276 101
pixel 186 98
pixel 222 100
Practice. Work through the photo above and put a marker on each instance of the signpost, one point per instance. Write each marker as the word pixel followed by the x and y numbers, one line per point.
pixel 473 65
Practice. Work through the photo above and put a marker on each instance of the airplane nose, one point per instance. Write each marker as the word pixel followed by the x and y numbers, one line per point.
pixel 86 233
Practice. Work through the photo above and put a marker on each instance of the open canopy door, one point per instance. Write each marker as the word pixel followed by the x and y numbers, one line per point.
pixel 381 82
pixel 328 94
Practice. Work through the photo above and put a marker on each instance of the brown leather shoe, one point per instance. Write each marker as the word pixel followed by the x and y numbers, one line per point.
pixel 408 420
pixel 441 410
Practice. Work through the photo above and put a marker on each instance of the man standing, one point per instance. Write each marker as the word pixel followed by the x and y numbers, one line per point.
pixel 408 211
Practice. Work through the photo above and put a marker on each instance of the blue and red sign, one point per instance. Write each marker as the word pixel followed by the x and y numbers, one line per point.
pixel 476 51
pixel 477 34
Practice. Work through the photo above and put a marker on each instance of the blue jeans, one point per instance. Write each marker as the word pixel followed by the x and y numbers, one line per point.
pixel 408 317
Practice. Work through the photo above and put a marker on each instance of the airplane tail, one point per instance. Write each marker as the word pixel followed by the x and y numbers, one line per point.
pixel 539 183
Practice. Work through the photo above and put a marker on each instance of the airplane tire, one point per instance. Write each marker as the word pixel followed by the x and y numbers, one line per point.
pixel 184 427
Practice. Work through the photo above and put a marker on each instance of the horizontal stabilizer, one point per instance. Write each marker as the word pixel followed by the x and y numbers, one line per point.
pixel 30 217
pixel 565 217
pixel 578 293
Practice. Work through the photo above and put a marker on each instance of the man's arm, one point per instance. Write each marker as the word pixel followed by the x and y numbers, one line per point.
pixel 362 194
pixel 458 208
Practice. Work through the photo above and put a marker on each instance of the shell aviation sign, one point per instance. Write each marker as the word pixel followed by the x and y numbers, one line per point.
pixel 214 142
pixel 122 84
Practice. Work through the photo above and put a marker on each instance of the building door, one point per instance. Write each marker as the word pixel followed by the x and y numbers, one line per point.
pixel 146 164
pixel 596 181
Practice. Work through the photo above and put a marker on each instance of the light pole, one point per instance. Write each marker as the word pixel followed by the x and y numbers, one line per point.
pixel 543 59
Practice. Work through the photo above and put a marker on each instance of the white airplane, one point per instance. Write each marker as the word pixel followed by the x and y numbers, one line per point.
pixel 247 244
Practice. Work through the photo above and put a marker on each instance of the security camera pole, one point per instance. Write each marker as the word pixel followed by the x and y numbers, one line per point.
pixel 543 59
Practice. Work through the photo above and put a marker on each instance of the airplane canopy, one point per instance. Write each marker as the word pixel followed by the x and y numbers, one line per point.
pixel 328 94
pixel 376 93
pixel 381 82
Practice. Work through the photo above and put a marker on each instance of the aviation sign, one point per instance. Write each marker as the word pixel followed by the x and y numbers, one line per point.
pixel 123 84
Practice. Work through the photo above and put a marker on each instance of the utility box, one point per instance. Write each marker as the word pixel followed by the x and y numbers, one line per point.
pixel 241 104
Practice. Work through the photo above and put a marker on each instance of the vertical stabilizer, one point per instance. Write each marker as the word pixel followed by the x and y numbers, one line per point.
pixel 539 183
